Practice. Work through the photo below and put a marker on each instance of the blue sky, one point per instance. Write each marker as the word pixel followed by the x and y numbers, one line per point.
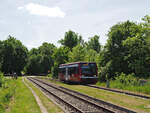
pixel 37 21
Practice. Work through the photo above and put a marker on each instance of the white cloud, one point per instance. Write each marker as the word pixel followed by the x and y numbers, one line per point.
pixel 41 10
pixel 19 8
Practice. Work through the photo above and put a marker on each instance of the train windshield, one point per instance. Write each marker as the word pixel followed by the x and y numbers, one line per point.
pixel 88 69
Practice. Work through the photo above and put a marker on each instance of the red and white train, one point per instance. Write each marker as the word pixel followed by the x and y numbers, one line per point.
pixel 80 72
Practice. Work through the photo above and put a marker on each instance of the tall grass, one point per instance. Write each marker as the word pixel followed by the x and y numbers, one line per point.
pixel 15 97
pixel 7 90
pixel 23 101
pixel 129 82
pixel 1 79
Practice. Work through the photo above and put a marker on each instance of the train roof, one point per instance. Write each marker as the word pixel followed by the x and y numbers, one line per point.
pixel 75 63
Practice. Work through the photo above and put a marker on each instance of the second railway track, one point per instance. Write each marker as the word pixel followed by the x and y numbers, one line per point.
pixel 121 92
pixel 76 102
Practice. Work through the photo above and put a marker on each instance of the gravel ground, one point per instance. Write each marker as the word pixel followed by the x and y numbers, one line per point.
pixel 82 105
pixel 101 103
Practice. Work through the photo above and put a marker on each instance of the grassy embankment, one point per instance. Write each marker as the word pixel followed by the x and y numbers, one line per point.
pixel 129 83
pixel 15 97
pixel 143 89
pixel 137 104
pixel 50 106
pixel 7 91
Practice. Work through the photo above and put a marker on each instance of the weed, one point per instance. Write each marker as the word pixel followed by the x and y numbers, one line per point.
pixel 1 79
pixel 128 82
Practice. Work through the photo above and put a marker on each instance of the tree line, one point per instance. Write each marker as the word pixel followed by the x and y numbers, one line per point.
pixel 127 50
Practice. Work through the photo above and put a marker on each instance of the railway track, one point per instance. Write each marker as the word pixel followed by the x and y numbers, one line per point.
pixel 75 102
pixel 122 92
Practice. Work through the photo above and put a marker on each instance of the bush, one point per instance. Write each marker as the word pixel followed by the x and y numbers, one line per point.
pixel 105 71
pixel 127 79
pixel 50 75
pixel 1 79
pixel 6 94
pixel 55 71
pixel 130 82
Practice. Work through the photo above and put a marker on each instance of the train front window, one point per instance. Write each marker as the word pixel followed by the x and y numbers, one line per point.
pixel 89 69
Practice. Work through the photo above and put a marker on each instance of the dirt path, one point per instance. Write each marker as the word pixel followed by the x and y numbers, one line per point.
pixel 42 108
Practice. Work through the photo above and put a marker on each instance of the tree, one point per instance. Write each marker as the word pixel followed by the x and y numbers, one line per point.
pixel 47 50
pixel 1 48
pixel 34 51
pixel 127 49
pixel 91 55
pixel 94 44
pixel 14 55
pixel 40 60
pixel 71 39
pixel 34 65
pixel 77 54
pixel 138 50
pixel 138 56
pixel 114 51
pixel 60 56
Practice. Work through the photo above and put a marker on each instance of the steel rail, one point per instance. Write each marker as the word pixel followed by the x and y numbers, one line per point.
pixel 121 92
pixel 87 101
pixel 75 109
pixel 116 107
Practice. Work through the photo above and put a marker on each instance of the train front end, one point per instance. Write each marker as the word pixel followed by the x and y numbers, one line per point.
pixel 88 72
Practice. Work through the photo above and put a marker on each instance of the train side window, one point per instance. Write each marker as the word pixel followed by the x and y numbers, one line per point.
pixel 69 71
pixel 76 70
pixel 63 71
pixel 73 70
pixel 59 70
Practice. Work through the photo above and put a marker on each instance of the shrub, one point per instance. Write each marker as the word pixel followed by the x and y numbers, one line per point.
pixel 55 71
pixel 127 79
pixel 10 92
pixel 1 79
pixel 105 71
pixel 130 82
pixel 50 75
pixel 6 94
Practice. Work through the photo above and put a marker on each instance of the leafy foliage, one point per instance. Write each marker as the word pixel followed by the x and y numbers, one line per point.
pixel 77 54
pixel 40 60
pixel 14 56
pixel 127 79
pixel 6 93
pixel 130 82
pixel 94 44
pixel 90 55
pixel 1 48
pixel 127 49
pixel 61 56
pixel 1 79
pixel 71 39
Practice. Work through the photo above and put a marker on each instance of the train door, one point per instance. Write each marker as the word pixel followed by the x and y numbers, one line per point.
pixel 66 75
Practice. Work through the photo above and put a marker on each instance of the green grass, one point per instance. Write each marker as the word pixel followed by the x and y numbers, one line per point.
pixel 129 82
pixel 130 102
pixel 101 84
pixel 6 94
pixel 23 101
pixel 50 106
pixel 143 89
